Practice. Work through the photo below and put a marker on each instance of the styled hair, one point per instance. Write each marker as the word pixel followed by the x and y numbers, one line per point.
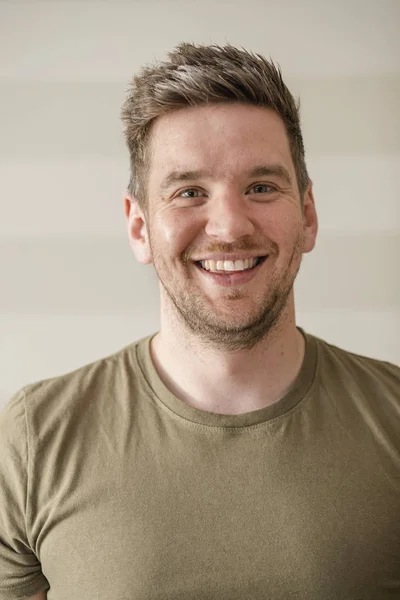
pixel 197 75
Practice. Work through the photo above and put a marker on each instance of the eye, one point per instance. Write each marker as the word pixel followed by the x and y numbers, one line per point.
pixel 262 188
pixel 190 193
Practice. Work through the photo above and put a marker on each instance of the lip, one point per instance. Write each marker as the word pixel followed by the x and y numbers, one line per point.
pixel 228 257
pixel 231 278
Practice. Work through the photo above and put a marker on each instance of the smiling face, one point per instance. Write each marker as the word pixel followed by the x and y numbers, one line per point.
pixel 224 227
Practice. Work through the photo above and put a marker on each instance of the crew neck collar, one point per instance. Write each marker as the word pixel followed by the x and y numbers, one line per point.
pixel 294 396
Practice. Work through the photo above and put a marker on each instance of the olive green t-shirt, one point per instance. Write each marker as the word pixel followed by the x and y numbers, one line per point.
pixel 111 488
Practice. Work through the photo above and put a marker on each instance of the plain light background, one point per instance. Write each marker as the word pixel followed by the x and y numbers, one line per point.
pixel 71 290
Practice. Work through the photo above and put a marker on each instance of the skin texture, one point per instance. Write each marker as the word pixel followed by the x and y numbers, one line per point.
pixel 223 209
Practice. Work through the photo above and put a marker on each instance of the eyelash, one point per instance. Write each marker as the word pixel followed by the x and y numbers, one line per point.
pixel 273 189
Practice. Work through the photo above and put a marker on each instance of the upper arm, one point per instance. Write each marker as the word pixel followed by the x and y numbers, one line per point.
pixel 18 561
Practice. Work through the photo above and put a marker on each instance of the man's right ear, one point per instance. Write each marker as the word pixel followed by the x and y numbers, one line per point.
pixel 137 230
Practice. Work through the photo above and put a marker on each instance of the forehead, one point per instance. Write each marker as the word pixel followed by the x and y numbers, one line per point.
pixel 223 138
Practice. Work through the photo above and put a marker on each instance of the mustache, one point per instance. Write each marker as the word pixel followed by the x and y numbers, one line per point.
pixel 223 248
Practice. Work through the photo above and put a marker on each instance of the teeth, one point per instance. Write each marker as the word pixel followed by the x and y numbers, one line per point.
pixel 228 265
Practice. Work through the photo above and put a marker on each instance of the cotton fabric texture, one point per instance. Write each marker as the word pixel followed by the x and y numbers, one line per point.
pixel 111 487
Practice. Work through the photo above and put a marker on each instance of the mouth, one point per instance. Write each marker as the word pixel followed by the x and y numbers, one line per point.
pixel 228 273
pixel 230 266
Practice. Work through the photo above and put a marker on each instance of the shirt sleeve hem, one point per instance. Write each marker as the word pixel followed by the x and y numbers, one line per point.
pixel 24 591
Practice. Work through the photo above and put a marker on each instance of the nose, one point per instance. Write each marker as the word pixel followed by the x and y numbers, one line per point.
pixel 228 217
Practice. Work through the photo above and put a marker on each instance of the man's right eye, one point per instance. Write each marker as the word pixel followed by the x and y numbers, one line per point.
pixel 190 193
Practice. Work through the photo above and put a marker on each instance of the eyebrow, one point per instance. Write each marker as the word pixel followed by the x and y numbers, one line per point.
pixel 271 170
pixel 258 171
pixel 180 176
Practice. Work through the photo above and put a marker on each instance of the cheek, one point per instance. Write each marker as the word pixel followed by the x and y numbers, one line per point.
pixel 285 231
pixel 285 225
pixel 175 231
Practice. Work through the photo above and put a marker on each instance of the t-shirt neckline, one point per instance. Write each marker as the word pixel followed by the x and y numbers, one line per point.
pixel 291 399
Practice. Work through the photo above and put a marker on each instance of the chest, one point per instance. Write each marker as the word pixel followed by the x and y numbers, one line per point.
pixel 227 521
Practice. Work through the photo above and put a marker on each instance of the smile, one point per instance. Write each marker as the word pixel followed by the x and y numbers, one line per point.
pixel 230 265
pixel 229 273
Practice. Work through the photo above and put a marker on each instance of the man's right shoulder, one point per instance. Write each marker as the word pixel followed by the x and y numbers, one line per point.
pixel 61 394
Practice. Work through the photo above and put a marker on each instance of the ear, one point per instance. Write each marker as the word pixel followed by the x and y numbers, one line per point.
pixel 310 219
pixel 137 230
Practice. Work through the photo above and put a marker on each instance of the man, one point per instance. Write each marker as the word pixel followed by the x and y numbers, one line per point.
pixel 232 455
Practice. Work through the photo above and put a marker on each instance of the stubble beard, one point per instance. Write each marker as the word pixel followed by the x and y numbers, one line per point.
pixel 199 317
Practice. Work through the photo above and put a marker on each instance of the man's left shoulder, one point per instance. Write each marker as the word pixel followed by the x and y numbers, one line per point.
pixel 351 365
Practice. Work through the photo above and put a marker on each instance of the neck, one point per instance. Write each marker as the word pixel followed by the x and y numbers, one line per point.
pixel 229 383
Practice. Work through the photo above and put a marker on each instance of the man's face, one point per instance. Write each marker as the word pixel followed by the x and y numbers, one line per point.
pixel 222 187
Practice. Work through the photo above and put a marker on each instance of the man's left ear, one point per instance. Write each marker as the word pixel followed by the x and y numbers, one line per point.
pixel 137 230
pixel 310 219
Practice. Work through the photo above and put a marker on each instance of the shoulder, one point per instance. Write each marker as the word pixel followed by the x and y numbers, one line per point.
pixel 352 367
pixel 49 400
pixel 13 424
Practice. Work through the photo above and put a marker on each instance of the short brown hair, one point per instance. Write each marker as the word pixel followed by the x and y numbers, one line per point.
pixel 196 75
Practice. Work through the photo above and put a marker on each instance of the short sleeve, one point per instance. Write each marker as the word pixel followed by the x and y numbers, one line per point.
pixel 20 571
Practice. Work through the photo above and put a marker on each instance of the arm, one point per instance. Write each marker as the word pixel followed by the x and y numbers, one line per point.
pixel 17 560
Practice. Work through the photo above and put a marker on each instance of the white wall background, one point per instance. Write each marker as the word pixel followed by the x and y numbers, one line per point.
pixel 71 290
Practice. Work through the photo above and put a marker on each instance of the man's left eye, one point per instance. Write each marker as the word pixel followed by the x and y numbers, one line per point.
pixel 262 188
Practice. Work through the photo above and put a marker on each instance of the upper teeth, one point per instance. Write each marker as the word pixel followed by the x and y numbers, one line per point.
pixel 228 265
